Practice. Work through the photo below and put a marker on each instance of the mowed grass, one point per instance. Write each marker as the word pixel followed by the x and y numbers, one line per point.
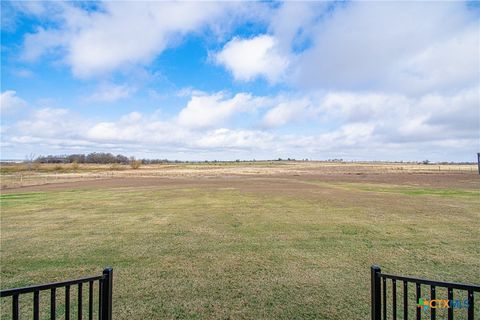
pixel 240 253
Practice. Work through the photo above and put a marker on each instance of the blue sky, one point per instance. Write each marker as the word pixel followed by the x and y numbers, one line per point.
pixel 241 80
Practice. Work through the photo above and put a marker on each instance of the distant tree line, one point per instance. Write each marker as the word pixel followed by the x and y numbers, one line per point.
pixel 110 158
pixel 97 158
pixel 94 157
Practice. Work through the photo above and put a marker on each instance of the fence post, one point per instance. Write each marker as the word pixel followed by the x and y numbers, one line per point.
pixel 376 289
pixel 478 161
pixel 107 283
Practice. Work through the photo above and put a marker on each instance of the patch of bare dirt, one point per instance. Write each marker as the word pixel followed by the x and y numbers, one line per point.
pixel 284 182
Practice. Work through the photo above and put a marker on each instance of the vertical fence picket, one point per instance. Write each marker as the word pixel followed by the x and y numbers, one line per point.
pixel 15 307
pixel 375 292
pixel 36 305
pixel 67 303
pixel 80 307
pixel 100 299
pixel 394 299
pixel 405 300
pixel 418 297
pixel 107 293
pixel 53 298
pixel 450 298
pixel 384 308
pixel 90 300
pixel 471 306
pixel 433 313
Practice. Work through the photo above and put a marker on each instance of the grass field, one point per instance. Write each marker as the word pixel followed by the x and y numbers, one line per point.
pixel 291 244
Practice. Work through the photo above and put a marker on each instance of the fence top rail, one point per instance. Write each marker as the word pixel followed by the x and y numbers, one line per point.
pixel 453 285
pixel 14 291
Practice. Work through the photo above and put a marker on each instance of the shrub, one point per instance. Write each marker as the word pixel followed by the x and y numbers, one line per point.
pixel 135 164
pixel 75 165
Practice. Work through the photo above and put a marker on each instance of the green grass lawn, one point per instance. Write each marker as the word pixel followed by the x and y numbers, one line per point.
pixel 218 253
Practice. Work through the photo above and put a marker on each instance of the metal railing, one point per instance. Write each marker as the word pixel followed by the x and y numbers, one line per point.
pixel 379 301
pixel 105 282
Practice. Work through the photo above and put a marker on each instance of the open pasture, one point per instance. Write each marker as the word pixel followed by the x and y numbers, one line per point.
pixel 272 240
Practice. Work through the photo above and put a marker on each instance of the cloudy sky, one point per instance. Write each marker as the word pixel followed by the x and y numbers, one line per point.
pixel 229 80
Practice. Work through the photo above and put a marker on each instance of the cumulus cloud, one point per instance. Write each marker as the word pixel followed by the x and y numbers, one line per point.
pixel 210 110
pixel 139 129
pixel 442 66
pixel 406 47
pixel 42 42
pixel 9 101
pixel 250 58
pixel 378 80
pixel 368 126
pixel 293 35
pixel 398 118
pixel 288 111
pixel 412 47
pixel 50 122
pixel 100 41
pixel 236 139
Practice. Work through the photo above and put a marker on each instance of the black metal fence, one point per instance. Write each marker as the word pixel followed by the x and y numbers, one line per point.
pixel 104 296
pixel 379 302
pixel 381 306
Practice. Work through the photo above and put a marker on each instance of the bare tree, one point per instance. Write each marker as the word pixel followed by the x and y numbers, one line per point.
pixel 29 159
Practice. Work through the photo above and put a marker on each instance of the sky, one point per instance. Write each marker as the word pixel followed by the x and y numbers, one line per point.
pixel 379 80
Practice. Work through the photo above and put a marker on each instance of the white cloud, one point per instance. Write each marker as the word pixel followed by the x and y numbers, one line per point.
pixel 250 58
pixel 398 118
pixel 42 42
pixel 442 66
pixel 49 123
pixel 141 130
pixel 407 47
pixel 294 33
pixel 11 10
pixel 374 79
pixel 100 42
pixel 414 47
pixel 411 47
pixel 367 126
pixel 32 8
pixel 210 110
pixel 288 111
pixel 9 101
pixel 235 139
pixel 111 93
